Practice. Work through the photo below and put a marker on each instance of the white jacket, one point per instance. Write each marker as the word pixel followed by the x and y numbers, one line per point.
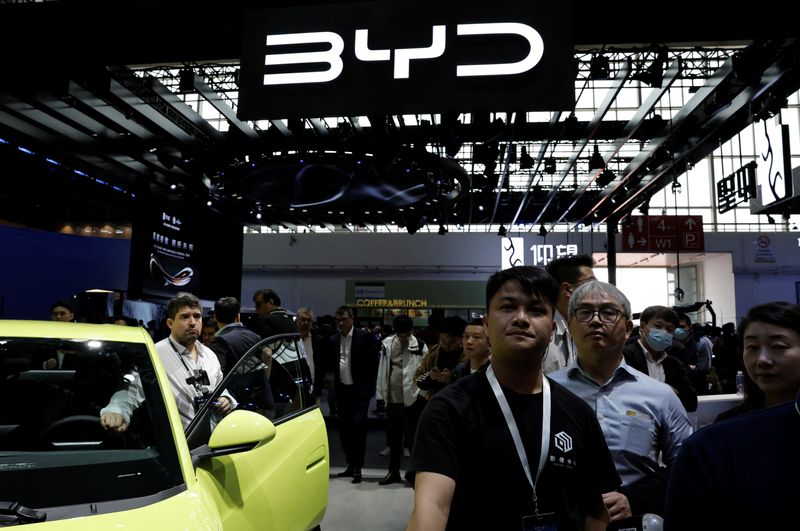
pixel 411 358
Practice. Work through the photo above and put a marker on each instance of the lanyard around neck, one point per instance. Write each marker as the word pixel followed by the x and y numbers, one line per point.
pixel 515 435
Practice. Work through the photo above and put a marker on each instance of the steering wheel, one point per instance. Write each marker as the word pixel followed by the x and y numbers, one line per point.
pixel 67 428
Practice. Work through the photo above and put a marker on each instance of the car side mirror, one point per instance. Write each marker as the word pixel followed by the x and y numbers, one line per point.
pixel 239 431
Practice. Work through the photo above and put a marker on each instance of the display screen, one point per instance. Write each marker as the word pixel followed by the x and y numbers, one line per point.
pixel 174 248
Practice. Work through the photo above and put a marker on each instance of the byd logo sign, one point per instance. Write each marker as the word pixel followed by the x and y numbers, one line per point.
pixel 410 57
pixel 401 58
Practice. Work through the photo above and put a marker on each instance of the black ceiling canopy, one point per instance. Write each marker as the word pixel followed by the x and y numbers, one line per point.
pixel 95 116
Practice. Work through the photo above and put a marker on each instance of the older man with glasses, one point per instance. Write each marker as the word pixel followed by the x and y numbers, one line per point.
pixel 642 419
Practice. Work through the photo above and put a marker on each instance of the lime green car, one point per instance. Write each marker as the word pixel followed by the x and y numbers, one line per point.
pixel 263 466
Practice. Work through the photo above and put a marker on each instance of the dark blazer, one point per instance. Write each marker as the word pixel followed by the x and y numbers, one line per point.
pixel 675 373
pixel 321 358
pixel 252 389
pixel 278 321
pixel 232 343
pixel 364 358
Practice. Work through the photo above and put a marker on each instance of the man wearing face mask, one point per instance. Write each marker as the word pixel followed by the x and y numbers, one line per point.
pixel 649 354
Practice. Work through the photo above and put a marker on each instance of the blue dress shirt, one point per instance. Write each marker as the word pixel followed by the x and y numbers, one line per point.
pixel 642 419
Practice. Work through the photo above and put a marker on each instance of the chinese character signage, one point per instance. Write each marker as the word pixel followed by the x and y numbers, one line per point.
pixel 736 188
pixel 512 252
pixel 773 174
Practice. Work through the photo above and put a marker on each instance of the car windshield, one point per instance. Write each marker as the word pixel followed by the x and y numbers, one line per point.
pixel 53 450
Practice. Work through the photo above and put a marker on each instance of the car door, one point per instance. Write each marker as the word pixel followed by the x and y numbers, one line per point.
pixel 283 483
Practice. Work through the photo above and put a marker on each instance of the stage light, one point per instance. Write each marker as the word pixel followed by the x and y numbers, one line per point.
pixel 599 67
pixel 525 160
pixel 596 162
pixel 550 165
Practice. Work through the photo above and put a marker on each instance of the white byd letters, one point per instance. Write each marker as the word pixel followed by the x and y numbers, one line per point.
pixel 502 69
pixel 333 57
pixel 363 53
pixel 402 56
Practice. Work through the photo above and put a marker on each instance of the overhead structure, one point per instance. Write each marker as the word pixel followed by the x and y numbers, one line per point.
pixel 119 123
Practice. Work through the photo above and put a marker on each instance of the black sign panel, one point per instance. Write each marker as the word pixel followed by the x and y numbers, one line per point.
pixel 174 249
pixel 406 57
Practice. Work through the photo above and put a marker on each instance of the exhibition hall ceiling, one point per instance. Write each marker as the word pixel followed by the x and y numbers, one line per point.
pixel 100 113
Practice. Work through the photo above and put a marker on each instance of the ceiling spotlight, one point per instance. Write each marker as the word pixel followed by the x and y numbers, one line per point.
pixel 542 231
pixel 605 178
pixel 676 187
pixel 480 207
pixel 599 67
pixel 208 203
pixel 442 230
pixel 502 231
pixel 596 162
pixel 550 165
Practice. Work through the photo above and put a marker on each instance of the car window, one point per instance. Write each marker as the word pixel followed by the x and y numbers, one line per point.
pixel 53 450
pixel 272 379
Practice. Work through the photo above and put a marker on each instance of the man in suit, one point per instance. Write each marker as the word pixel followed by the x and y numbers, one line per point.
pixel 314 347
pixel 570 272
pixel 356 374
pixel 231 342
pixel 650 353
pixel 232 339
pixel 272 319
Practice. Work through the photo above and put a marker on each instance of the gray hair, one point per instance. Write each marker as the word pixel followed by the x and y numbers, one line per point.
pixel 306 309
pixel 608 292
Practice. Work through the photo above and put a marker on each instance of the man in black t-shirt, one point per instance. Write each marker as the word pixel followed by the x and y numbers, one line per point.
pixel 469 468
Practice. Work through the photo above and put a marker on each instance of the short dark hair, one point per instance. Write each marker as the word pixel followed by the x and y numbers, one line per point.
pixel 402 324
pixel 778 313
pixel 475 321
pixel 659 312
pixel 345 309
pixel 64 304
pixel 683 317
pixel 268 295
pixel 532 280
pixel 453 325
pixel 568 268
pixel 226 309
pixel 180 300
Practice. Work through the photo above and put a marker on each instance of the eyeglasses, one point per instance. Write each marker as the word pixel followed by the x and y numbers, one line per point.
pixel 606 315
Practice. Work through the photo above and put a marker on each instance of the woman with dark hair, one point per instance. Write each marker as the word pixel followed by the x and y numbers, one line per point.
pixel 769 341
pixel 741 474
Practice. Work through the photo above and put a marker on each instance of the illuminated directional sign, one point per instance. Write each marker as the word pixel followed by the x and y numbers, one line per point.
pixel 664 234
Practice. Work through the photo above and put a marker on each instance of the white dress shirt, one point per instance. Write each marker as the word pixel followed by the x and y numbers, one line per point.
pixel 345 350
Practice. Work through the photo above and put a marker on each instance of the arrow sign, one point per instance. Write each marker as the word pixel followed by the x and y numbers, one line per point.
pixel 663 234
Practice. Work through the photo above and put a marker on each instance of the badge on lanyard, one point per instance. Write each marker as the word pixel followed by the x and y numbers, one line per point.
pixel 539 522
